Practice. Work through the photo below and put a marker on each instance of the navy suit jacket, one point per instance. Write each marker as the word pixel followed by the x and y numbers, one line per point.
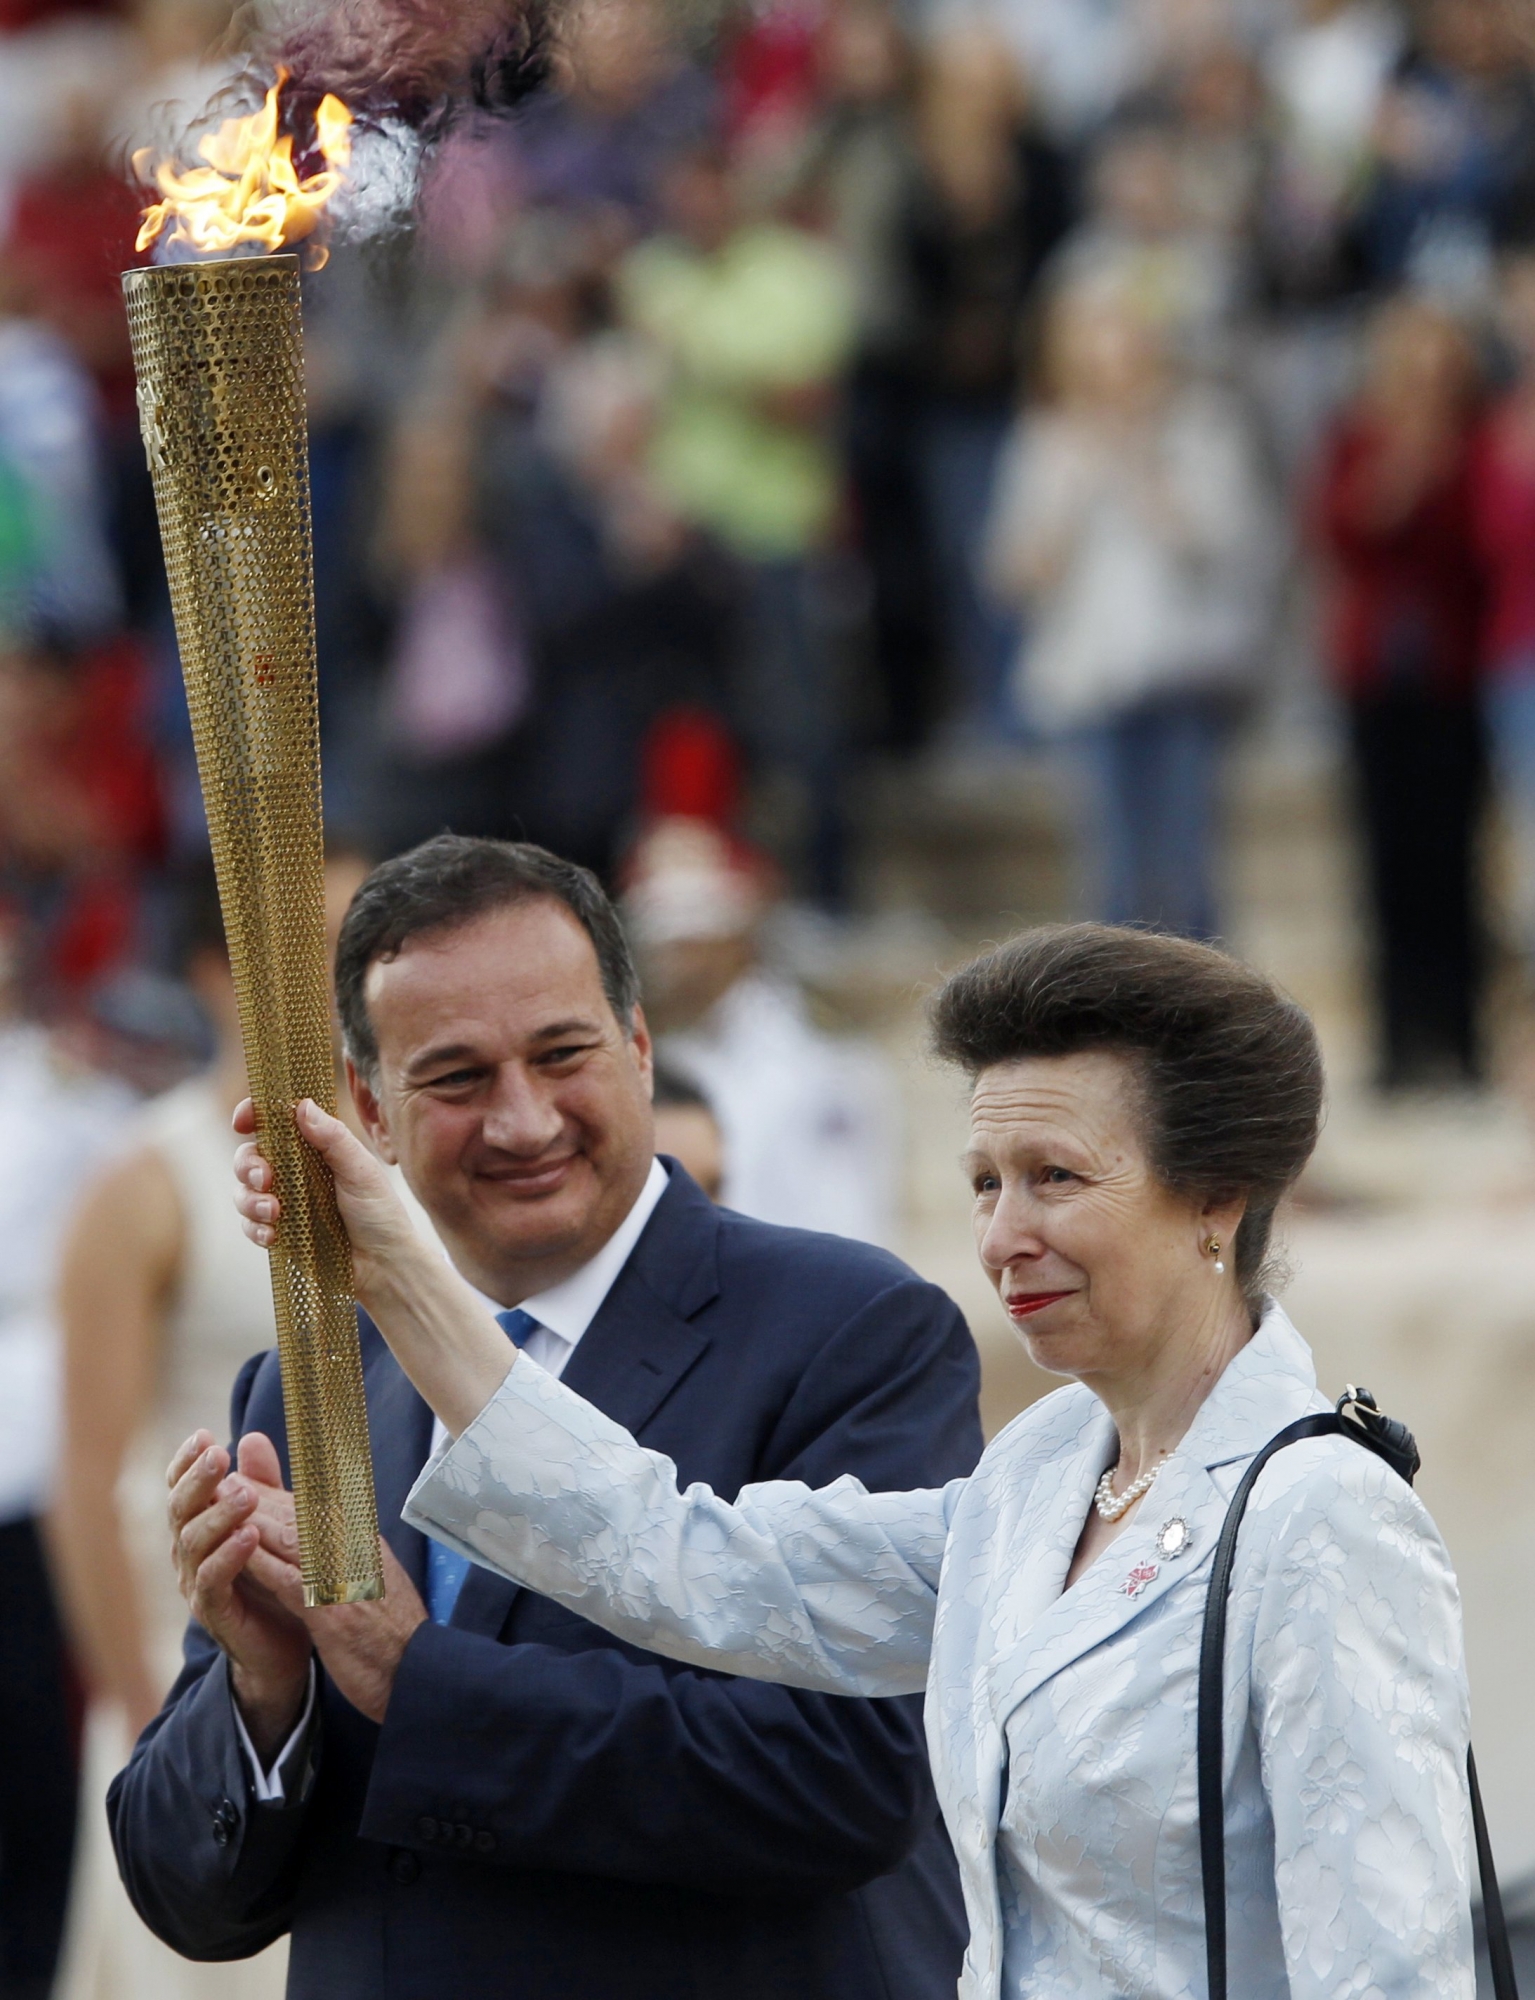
pixel 546 1814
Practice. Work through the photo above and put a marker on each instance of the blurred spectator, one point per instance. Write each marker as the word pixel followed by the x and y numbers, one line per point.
pixel 626 103
pixel 60 571
pixel 1454 146
pixel 58 1118
pixel 807 1119
pixel 1224 150
pixel 1327 71
pixel 48 55
pixel 1133 527
pixel 79 802
pixel 457 673
pixel 1143 235
pixel 1085 60
pixel 753 320
pixel 991 206
pixel 688 1130
pixel 521 503
pixel 860 175
pixel 768 78
pixel 157 1295
pixel 72 225
pixel 1404 632
pixel 1503 471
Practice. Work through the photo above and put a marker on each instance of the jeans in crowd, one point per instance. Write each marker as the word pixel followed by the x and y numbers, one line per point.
pixel 1152 806
pixel 1508 706
pixel 961 449
pixel 790 708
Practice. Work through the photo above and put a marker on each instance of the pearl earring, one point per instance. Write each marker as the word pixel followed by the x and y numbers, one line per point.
pixel 1214 1248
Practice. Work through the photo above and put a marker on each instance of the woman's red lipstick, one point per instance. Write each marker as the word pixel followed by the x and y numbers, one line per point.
pixel 1022 1304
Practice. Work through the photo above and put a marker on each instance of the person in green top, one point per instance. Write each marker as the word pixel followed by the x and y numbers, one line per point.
pixel 18 547
pixel 754 319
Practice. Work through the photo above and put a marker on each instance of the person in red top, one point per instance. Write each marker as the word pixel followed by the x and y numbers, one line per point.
pixel 1403 635
pixel 81 812
pixel 1503 471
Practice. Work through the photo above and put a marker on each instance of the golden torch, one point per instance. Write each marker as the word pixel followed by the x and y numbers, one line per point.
pixel 217 346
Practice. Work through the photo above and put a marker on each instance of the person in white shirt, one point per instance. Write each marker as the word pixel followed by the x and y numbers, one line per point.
pixel 1133 526
pixel 58 1120
pixel 809 1121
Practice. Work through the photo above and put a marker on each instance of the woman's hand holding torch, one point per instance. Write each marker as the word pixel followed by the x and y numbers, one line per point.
pixel 439 1331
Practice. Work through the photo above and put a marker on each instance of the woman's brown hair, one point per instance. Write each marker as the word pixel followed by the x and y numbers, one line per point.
pixel 1230 1065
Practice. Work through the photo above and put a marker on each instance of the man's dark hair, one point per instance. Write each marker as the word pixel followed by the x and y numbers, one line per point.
pixel 1230 1065
pixel 450 880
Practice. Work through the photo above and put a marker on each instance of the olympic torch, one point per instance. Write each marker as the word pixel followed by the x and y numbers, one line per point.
pixel 217 347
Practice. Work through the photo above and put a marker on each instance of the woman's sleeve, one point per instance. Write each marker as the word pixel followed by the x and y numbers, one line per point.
pixel 832 1589
pixel 1359 1697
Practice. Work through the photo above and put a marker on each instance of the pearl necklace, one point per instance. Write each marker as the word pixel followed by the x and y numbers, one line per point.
pixel 1111 1505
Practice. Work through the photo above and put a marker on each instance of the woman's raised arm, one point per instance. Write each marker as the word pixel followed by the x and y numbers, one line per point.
pixel 831 1589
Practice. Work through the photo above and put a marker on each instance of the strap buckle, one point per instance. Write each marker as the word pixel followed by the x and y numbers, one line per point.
pixel 1383 1435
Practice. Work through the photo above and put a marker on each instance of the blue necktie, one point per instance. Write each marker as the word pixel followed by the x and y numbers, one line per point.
pixel 445 1568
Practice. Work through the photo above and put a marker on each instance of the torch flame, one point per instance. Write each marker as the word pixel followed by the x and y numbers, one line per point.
pixel 249 191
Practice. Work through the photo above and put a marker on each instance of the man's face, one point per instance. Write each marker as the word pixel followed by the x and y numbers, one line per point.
pixel 509 1094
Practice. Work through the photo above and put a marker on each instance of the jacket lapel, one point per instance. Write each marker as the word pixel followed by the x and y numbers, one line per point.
pixel 1266 1386
pixel 642 1341
pixel 400 1425
pixel 637 1349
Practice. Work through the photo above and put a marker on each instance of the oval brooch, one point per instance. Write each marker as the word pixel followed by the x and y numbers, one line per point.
pixel 1173 1539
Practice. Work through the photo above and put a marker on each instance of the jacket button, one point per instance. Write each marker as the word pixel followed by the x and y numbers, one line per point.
pixel 404 1867
pixel 225 1820
pixel 464 1835
pixel 426 1828
pixel 484 1843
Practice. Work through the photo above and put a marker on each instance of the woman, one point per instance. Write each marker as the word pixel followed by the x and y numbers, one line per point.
pixel 1140 1105
pixel 988 205
pixel 1503 504
pixel 1132 527
pixel 1404 632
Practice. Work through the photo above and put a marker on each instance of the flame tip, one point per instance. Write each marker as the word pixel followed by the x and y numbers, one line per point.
pixel 248 191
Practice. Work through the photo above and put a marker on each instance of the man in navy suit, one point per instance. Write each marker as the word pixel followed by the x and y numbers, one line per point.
pixel 464 1790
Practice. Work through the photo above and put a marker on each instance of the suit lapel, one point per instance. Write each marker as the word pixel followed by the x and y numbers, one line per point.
pixel 637 1349
pixel 400 1425
pixel 633 1355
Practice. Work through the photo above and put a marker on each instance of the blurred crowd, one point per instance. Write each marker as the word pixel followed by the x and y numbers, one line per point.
pixel 785 391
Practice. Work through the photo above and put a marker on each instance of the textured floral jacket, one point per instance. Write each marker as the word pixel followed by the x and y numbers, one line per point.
pixel 1062 1725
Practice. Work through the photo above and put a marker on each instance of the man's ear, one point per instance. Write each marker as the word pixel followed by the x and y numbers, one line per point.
pixel 371 1112
pixel 644 1048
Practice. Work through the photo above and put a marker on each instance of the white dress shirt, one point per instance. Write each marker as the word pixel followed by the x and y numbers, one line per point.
pixel 563 1313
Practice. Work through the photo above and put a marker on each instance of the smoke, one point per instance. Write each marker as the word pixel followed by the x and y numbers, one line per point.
pixel 414 64
pixel 407 70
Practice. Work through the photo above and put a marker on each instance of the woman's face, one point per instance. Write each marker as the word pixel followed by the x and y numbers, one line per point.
pixel 1108 361
pixel 1419 362
pixel 1097 1264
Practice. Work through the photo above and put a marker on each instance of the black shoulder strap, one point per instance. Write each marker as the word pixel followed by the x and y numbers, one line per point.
pixel 1394 1443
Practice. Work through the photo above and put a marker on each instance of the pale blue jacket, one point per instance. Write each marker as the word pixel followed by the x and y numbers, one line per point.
pixel 1062 1726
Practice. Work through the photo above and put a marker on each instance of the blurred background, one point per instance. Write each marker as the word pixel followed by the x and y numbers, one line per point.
pixel 863 475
